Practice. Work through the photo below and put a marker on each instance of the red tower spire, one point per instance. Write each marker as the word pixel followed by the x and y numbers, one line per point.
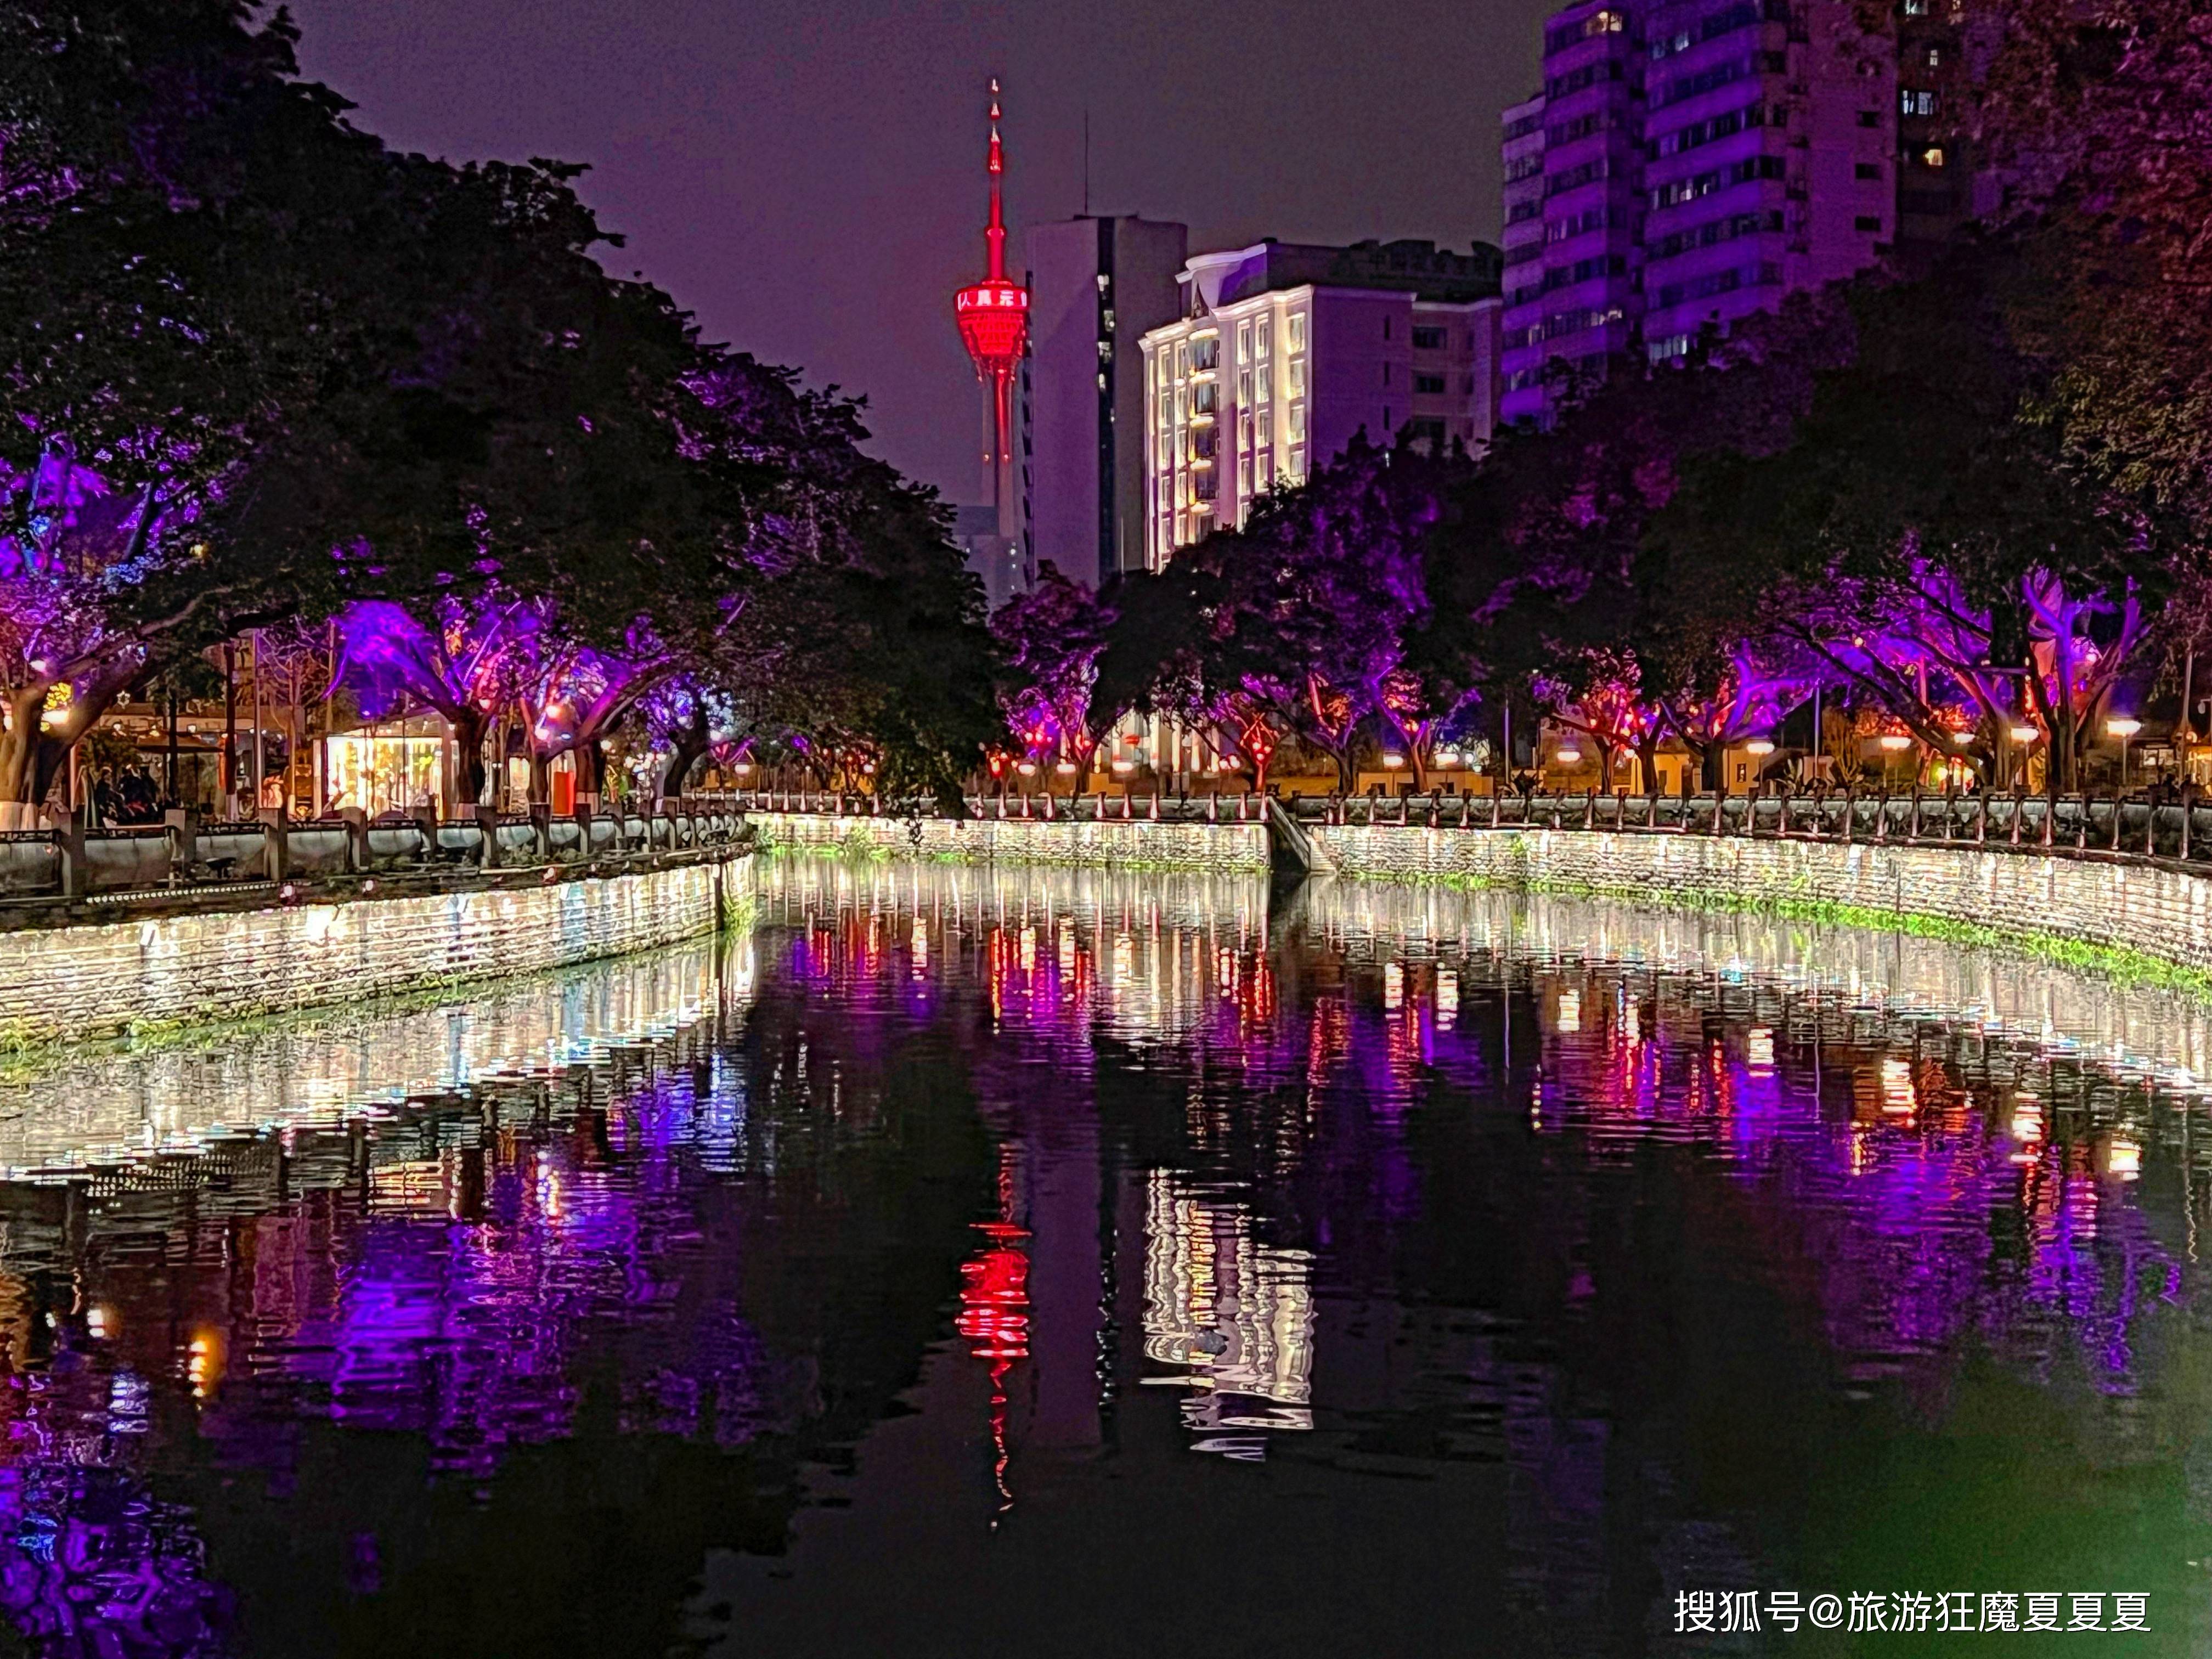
pixel 994 234
pixel 994 318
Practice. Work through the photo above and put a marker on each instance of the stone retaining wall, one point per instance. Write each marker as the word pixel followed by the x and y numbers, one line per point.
pixel 2164 915
pixel 1138 844
pixel 81 981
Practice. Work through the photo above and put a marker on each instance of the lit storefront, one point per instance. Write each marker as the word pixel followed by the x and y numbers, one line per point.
pixel 398 766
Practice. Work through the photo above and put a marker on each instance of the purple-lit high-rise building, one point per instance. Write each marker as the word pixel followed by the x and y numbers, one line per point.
pixel 1689 162
pixel 1571 305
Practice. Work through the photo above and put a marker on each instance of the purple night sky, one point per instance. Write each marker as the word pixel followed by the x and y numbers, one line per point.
pixel 808 177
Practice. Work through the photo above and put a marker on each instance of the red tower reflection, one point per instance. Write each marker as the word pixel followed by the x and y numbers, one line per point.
pixel 995 1312
pixel 994 316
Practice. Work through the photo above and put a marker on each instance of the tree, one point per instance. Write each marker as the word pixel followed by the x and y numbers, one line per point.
pixel 322 371
pixel 1050 638
pixel 1929 515
pixel 1598 691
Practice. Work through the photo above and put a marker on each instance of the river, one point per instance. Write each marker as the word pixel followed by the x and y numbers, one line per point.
pixel 962 1260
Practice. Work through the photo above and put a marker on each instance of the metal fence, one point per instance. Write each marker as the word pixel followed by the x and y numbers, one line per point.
pixel 2132 829
pixel 187 859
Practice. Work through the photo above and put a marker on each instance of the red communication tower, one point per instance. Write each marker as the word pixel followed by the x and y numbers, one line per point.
pixel 994 316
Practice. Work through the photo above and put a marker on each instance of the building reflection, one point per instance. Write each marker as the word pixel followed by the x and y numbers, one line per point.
pixel 1231 1319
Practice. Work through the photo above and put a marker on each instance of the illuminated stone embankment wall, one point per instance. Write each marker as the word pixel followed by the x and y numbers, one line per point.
pixel 67 982
pixel 1136 845
pixel 2159 913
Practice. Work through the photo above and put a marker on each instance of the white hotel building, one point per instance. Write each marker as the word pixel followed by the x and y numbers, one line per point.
pixel 1284 352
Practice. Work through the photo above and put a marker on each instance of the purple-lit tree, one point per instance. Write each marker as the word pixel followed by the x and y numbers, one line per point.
pixel 1744 696
pixel 465 665
pixel 1051 637
pixel 1306 615
pixel 1598 691
pixel 1921 648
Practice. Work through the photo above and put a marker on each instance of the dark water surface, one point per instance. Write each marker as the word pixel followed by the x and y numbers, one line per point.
pixel 973 1262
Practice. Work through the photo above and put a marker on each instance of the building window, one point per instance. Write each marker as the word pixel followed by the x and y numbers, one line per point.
pixel 1868 222
pixel 1295 471
pixel 1266 389
pixel 1245 388
pixel 1934 57
pixel 1868 170
pixel 1932 156
pixel 1244 343
pixel 1264 427
pixel 1869 117
pixel 1243 473
pixel 1295 385
pixel 1604 22
pixel 1260 338
pixel 1911 102
pixel 1183 361
pixel 1430 383
pixel 1294 333
pixel 1386 328
pixel 1294 419
pixel 1428 339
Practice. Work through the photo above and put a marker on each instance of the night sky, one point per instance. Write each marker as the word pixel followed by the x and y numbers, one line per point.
pixel 806 175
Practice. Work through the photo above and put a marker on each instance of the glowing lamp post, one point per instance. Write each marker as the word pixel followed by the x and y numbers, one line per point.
pixel 2124 726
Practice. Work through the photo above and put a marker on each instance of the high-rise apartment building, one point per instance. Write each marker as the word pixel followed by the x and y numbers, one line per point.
pixel 1095 286
pixel 1282 352
pixel 1690 163
pixel 1572 307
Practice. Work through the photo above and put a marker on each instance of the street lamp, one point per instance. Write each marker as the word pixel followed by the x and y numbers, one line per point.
pixel 2124 726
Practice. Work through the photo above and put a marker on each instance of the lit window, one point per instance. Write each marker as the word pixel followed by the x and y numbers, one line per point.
pixel 1266 391
pixel 1265 428
pixel 1244 343
pixel 1295 420
pixel 1260 339
pixel 1295 386
pixel 1603 22
pixel 1911 102
pixel 1245 388
pixel 1294 333
pixel 1932 156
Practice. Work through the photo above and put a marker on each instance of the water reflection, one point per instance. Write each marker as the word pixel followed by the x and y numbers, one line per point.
pixel 1111 1220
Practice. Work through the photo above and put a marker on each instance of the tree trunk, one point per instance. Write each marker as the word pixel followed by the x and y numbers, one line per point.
pixel 691 744
pixel 1647 758
pixel 19 751
pixel 469 725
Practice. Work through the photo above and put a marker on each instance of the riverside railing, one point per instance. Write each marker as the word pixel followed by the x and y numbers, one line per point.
pixel 188 860
pixel 2133 829
pixel 2175 832
pixel 1081 809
